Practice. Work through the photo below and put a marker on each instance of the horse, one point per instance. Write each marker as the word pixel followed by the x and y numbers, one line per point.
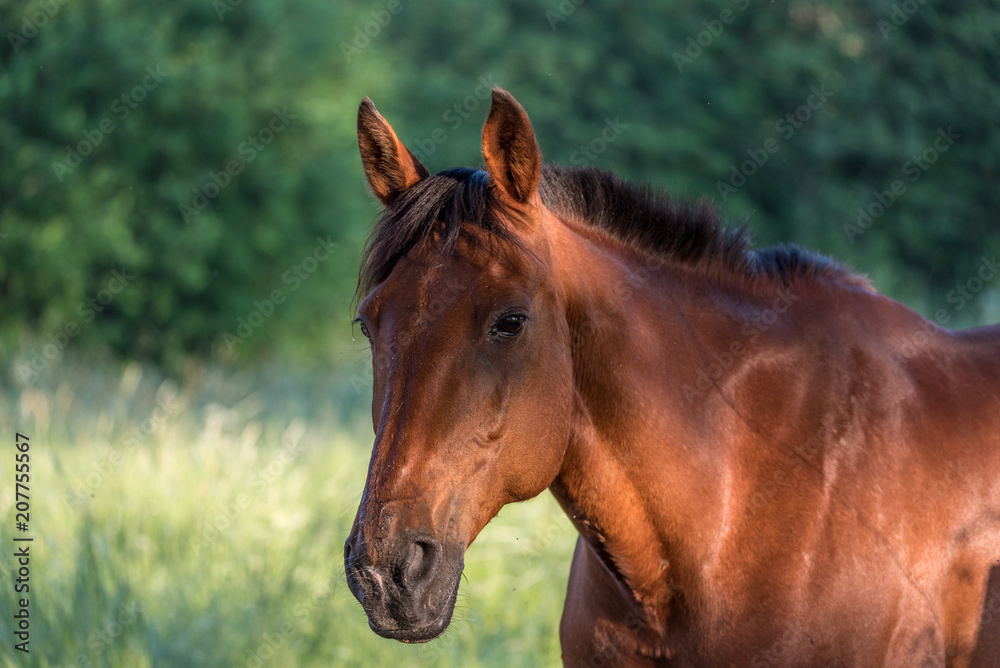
pixel 768 462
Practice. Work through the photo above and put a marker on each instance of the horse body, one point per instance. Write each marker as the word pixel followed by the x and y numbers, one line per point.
pixel 818 418
pixel 768 462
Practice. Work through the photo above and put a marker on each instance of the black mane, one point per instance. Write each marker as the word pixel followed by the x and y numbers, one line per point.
pixel 681 231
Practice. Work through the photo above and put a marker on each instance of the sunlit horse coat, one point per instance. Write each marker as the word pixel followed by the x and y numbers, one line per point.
pixel 769 463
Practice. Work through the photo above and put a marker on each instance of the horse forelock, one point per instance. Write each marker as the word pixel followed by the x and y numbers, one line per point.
pixel 442 205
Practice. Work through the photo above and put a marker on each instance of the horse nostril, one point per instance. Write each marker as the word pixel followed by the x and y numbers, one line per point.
pixel 422 560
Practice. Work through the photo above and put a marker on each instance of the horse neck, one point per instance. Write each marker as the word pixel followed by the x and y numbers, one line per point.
pixel 644 477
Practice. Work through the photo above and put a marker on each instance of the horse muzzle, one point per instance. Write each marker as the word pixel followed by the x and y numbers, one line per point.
pixel 408 591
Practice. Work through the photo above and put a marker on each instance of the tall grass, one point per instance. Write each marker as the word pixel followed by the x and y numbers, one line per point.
pixel 202 524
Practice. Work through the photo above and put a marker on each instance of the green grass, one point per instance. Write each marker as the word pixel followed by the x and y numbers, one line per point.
pixel 202 524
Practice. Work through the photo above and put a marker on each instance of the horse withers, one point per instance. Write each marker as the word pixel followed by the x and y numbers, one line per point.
pixel 768 463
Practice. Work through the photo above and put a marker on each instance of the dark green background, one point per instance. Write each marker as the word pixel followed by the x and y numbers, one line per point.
pixel 895 72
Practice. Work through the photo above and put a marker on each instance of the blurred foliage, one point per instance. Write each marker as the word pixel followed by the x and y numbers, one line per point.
pixel 163 97
pixel 201 522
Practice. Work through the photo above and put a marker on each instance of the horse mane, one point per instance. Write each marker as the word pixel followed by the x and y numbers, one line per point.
pixel 681 231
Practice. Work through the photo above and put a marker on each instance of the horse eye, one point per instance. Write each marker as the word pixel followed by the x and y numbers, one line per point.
pixel 364 329
pixel 509 325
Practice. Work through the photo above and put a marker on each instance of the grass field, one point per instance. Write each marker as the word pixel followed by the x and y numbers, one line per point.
pixel 202 523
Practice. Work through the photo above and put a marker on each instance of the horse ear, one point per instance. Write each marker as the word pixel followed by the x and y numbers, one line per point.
pixel 510 149
pixel 389 166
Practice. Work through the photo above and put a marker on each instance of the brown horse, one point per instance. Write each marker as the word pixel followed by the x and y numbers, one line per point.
pixel 768 462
